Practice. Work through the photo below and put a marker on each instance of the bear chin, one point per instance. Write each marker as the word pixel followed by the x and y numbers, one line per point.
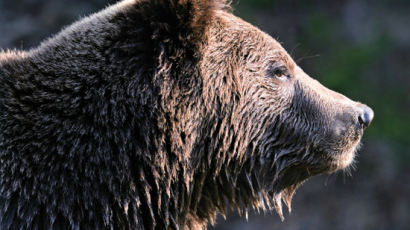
pixel 345 159
pixel 297 175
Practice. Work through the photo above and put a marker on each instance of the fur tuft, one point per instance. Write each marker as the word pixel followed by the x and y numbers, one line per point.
pixel 182 20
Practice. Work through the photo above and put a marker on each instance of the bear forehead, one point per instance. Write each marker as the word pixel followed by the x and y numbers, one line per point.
pixel 247 36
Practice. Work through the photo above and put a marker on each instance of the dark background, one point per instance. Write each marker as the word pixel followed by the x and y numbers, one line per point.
pixel 359 48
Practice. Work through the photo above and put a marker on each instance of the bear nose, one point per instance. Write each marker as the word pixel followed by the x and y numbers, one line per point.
pixel 366 116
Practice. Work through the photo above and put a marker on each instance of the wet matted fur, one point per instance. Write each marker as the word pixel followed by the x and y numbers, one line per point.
pixel 159 115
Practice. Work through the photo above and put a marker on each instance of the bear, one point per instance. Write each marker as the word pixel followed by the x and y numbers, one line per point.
pixel 162 114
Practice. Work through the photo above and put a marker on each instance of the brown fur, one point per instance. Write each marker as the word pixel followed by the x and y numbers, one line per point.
pixel 159 115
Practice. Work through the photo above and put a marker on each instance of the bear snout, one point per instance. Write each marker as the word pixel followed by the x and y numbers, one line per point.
pixel 359 117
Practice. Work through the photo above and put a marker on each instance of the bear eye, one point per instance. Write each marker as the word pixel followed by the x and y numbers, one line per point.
pixel 278 71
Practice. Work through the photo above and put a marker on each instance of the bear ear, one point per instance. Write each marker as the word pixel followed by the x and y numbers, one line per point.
pixel 186 19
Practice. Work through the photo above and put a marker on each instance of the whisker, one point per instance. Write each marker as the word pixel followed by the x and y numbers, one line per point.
pixel 307 57
pixel 292 54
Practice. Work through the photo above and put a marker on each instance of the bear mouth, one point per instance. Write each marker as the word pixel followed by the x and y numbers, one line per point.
pixel 343 156
pixel 346 159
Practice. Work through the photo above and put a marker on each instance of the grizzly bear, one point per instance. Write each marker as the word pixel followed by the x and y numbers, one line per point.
pixel 160 114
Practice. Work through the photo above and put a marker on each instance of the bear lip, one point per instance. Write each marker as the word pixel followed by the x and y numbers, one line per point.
pixel 347 158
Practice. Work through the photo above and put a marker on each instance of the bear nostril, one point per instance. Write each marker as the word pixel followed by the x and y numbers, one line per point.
pixel 366 116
